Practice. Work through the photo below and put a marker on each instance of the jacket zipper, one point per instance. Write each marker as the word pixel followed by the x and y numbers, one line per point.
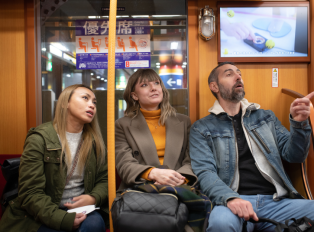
pixel 275 169
pixel 261 141
pixel 135 191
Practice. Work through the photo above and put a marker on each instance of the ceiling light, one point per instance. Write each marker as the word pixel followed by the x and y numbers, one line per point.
pixel 174 45
pixel 140 16
pixel 55 51
pixel 68 75
pixel 92 74
pixel 60 46
pixel 165 15
pixel 98 77
pixel 157 63
pixel 102 78
pixel 184 63
pixel 105 80
pixel 44 49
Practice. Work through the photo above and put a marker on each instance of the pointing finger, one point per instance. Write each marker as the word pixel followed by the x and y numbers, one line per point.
pixel 298 101
pixel 309 96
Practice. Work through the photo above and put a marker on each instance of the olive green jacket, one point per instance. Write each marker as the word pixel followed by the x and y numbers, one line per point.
pixel 41 185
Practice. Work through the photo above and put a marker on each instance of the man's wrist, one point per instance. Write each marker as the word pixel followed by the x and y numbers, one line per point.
pixel 230 199
pixel 299 124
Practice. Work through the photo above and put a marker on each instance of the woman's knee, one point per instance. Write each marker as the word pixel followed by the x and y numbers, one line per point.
pixel 93 222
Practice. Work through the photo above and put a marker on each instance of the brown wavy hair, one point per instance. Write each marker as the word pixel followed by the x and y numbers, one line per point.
pixel 133 107
pixel 91 132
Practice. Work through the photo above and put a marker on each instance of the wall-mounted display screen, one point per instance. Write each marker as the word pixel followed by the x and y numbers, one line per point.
pixel 263 32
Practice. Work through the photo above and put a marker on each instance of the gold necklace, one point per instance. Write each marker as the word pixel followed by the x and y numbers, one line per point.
pixel 153 124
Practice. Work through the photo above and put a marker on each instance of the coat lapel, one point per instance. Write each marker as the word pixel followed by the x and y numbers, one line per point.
pixel 144 140
pixel 174 141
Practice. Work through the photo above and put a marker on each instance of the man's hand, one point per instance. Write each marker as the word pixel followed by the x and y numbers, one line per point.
pixel 79 217
pixel 242 208
pixel 239 30
pixel 166 177
pixel 80 201
pixel 300 108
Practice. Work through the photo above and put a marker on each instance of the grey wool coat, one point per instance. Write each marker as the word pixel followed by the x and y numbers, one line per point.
pixel 136 150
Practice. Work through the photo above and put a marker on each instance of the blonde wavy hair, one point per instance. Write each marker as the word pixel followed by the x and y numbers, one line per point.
pixel 91 132
pixel 133 107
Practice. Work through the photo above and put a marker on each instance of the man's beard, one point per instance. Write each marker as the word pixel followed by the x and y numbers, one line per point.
pixel 234 96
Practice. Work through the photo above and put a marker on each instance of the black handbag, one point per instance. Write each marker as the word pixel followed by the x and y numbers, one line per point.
pixel 10 172
pixel 136 211
pixel 298 225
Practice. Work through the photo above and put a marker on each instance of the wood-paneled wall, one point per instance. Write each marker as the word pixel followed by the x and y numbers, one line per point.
pixel 256 76
pixel 12 77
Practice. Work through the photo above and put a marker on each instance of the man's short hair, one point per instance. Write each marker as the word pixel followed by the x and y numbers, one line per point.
pixel 213 76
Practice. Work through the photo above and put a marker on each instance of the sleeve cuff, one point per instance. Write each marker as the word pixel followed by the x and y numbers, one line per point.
pixel 297 124
pixel 145 174
pixel 97 198
pixel 67 222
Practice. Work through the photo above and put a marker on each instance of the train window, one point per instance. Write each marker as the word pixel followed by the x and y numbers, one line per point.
pixel 73 49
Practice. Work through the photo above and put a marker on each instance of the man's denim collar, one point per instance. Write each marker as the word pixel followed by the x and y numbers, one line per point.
pixel 246 106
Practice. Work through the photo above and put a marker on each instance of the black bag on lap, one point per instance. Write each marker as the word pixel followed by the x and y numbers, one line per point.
pixel 299 225
pixel 136 211
pixel 10 171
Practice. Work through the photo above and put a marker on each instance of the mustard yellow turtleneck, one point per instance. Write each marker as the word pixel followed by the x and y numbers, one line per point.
pixel 158 133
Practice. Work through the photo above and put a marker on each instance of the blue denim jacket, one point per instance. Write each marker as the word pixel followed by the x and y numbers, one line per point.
pixel 213 149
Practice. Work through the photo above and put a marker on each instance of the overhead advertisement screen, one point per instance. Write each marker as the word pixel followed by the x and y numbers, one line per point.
pixel 132 45
pixel 263 32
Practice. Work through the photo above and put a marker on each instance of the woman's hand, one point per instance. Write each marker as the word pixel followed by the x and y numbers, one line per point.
pixel 79 217
pixel 80 201
pixel 166 177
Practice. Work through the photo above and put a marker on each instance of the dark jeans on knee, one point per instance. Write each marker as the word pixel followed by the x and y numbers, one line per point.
pixel 92 223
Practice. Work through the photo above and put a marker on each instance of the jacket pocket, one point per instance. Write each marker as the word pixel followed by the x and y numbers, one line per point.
pixel 52 156
pixel 54 176
pixel 221 149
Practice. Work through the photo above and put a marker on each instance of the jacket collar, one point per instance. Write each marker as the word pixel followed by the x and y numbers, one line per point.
pixel 145 142
pixel 246 107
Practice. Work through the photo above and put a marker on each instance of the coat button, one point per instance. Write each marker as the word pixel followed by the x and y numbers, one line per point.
pixel 47 158
pixel 57 158
pixel 136 153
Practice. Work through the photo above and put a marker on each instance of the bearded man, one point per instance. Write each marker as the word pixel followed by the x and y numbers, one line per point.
pixel 236 153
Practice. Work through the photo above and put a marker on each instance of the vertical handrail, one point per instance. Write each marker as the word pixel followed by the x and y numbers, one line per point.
pixel 111 106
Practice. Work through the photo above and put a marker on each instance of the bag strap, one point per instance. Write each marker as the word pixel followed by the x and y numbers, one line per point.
pixel 279 226
pixel 75 160
pixel 306 224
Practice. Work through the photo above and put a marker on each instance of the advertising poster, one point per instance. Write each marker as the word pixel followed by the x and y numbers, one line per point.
pixel 132 44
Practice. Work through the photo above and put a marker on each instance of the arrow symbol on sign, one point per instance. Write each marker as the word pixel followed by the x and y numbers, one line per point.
pixel 170 82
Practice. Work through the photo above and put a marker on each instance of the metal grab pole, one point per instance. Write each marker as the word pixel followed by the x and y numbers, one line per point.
pixel 111 106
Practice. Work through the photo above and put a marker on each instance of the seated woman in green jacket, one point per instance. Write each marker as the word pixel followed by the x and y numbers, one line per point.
pixel 63 166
